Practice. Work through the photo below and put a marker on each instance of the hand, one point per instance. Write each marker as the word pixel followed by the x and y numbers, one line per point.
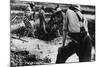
pixel 60 49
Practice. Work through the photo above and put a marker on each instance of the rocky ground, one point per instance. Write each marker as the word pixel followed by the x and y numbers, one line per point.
pixel 39 51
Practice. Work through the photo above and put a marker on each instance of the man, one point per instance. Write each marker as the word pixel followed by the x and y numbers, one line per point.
pixel 42 19
pixel 58 20
pixel 26 19
pixel 75 26
pixel 31 8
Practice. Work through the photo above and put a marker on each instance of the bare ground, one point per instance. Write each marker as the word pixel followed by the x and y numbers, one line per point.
pixel 41 49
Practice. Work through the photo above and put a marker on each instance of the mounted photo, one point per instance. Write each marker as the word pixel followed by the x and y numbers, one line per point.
pixel 43 33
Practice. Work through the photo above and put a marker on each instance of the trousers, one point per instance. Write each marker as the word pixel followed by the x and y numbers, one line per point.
pixel 82 48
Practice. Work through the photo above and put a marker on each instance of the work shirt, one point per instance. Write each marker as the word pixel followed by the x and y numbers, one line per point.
pixel 72 22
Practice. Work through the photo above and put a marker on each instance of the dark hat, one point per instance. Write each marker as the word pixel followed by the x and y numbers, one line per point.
pixel 73 6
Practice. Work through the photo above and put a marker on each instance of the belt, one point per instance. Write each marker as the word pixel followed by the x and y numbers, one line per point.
pixel 83 33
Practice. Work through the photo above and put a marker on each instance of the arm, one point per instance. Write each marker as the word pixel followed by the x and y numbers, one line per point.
pixel 65 30
pixel 86 25
pixel 64 38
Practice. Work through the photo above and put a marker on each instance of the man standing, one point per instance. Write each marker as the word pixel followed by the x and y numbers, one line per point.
pixel 42 19
pixel 26 19
pixel 32 10
pixel 75 26
pixel 58 20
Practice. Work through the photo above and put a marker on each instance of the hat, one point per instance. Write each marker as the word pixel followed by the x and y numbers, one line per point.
pixel 58 9
pixel 31 4
pixel 75 6
pixel 42 7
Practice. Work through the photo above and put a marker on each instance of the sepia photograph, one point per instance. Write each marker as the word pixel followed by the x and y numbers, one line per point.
pixel 43 33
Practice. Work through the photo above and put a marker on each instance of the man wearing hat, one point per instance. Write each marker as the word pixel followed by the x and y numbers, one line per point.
pixel 75 26
pixel 26 19
pixel 31 7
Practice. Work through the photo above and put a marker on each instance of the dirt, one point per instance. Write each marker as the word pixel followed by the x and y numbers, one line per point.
pixel 40 48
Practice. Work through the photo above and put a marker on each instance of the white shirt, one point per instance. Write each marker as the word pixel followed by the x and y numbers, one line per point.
pixel 73 22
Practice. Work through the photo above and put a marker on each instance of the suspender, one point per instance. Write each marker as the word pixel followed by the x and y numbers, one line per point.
pixel 80 19
pixel 67 22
